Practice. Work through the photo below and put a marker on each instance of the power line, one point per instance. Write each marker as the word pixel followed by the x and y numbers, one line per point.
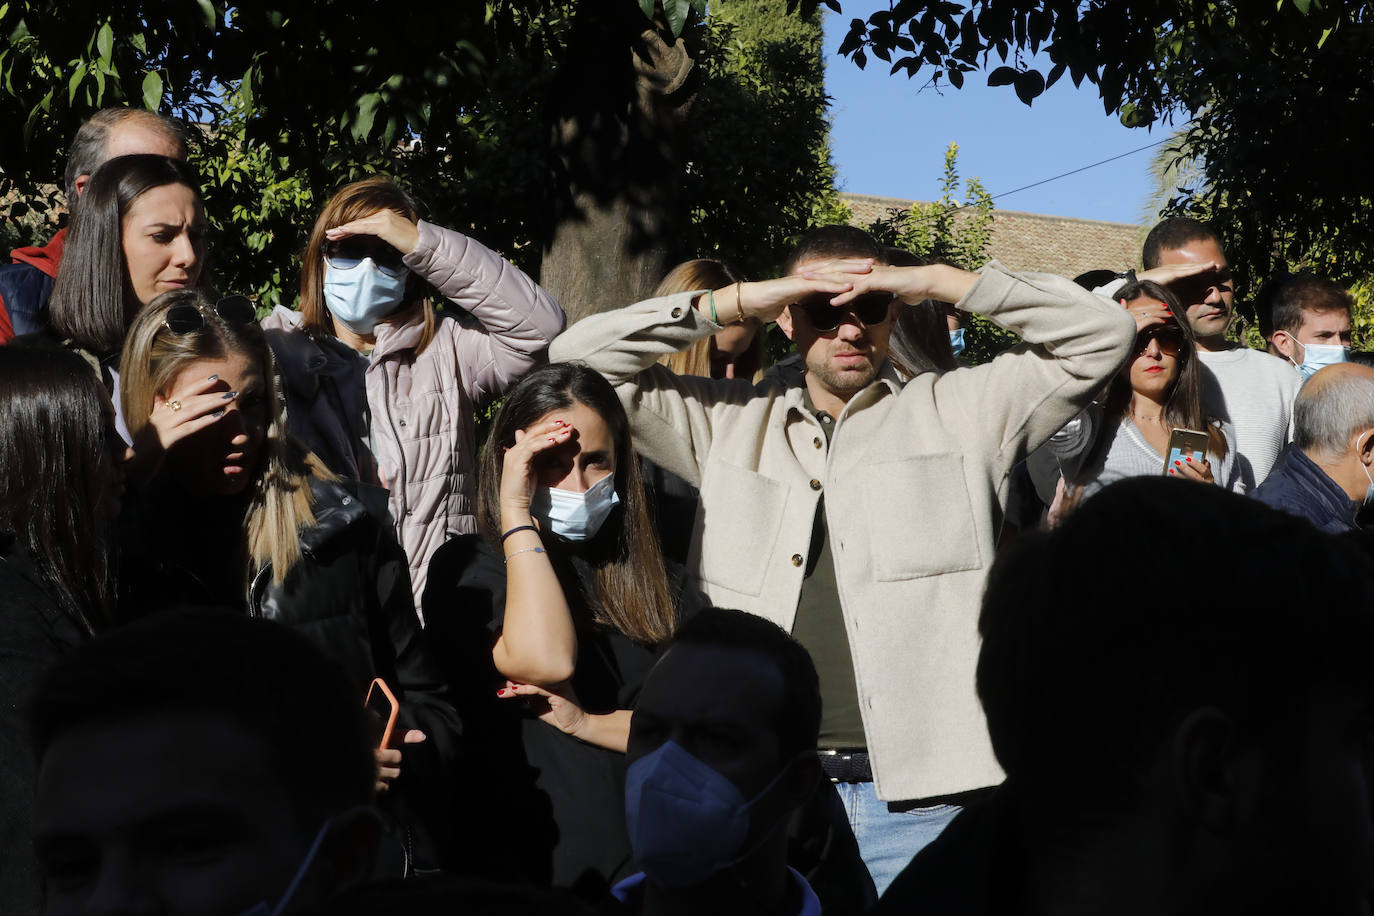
pixel 1037 184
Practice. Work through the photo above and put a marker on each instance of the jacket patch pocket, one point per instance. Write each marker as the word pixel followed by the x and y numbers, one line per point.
pixel 920 518
pixel 741 512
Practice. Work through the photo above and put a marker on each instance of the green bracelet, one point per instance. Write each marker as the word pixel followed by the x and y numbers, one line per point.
pixel 711 298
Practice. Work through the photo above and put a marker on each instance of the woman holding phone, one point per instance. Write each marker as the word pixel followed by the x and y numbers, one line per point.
pixel 228 511
pixel 1159 390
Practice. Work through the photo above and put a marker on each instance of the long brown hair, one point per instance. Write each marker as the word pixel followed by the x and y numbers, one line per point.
pixel 631 590
pixel 354 201
pixel 53 461
pixel 1183 407
pixel 703 273
pixel 153 357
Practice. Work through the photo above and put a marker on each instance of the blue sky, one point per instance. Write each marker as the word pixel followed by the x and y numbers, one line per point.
pixel 889 139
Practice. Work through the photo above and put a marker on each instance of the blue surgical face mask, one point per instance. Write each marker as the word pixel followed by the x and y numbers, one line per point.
pixel 956 341
pixel 1315 356
pixel 686 821
pixel 263 908
pixel 572 515
pixel 362 294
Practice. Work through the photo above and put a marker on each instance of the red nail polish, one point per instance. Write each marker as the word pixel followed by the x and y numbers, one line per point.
pixel 1178 464
pixel 1190 459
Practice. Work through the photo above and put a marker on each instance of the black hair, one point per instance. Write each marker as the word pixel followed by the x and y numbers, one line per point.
pixel 261 676
pixel 631 585
pixel 92 302
pixel 720 628
pixel 1084 673
pixel 1170 235
pixel 55 455
pixel 838 241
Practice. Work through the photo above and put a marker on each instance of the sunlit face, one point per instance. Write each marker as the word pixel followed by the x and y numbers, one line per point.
pixel 1327 328
pixel 1208 296
pixel 163 234
pixel 184 814
pixel 587 456
pixel 1155 366
pixel 223 459
pixel 843 360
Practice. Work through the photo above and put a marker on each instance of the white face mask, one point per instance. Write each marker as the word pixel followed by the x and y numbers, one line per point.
pixel 362 294
pixel 575 516
pixel 1315 356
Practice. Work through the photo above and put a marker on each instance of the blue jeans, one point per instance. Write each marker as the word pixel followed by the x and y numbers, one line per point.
pixel 889 839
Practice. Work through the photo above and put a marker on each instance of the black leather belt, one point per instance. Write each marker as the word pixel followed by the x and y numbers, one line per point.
pixel 846 766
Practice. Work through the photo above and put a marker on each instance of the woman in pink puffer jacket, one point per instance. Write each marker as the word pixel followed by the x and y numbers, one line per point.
pixel 382 386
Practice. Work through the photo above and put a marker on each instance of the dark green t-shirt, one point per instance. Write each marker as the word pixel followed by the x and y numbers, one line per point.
pixel 819 627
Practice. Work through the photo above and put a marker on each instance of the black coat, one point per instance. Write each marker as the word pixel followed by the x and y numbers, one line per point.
pixel 34 633
pixel 350 595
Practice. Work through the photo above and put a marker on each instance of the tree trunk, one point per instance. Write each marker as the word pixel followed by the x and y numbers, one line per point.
pixel 622 104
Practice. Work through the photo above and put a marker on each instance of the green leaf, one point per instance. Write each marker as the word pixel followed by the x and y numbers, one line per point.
pixel 676 11
pixel 367 113
pixel 246 91
pixel 99 86
pixel 648 7
pixel 207 9
pixel 139 42
pixel 75 81
pixel 104 41
pixel 152 90
pixel 1303 5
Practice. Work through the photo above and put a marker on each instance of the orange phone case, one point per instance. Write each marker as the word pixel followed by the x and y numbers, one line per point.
pixel 379 684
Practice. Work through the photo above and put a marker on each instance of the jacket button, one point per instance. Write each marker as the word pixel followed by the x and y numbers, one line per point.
pixel 816 442
pixel 346 500
pixel 796 559
pixel 402 421
pixel 815 484
pixel 677 313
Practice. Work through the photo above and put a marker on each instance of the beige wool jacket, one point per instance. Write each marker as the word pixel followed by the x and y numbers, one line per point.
pixel 915 482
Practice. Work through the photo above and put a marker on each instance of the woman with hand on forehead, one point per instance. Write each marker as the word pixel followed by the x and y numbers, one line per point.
pixel 381 385
pixel 1126 432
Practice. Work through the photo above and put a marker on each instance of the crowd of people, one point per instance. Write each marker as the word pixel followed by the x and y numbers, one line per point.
pixel 865 630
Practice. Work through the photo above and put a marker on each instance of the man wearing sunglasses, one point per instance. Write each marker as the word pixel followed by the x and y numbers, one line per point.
pixel 857 513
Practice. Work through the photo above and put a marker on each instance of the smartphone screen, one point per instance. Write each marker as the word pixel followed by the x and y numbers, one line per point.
pixel 381 709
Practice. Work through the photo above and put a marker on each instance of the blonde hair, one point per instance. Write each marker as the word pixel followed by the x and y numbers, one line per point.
pixel 281 503
pixel 354 201
pixel 701 273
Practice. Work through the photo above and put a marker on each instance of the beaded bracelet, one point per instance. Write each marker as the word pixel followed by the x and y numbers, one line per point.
pixel 524 550
pixel 517 528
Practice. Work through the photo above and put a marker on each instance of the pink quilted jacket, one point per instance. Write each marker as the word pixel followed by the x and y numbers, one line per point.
pixel 421 407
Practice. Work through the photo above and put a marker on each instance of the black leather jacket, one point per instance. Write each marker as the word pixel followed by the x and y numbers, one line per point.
pixel 350 595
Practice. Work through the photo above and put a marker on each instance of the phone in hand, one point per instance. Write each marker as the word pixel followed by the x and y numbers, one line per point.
pixel 382 708
pixel 1185 444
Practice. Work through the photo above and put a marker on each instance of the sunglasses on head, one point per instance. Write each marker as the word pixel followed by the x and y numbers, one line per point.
pixel 870 309
pixel 1169 338
pixel 183 319
pixel 346 254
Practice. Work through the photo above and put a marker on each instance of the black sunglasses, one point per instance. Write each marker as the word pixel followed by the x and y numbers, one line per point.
pixel 185 318
pixel 870 309
pixel 348 253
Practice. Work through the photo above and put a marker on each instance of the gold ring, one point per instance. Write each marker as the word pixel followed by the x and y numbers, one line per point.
pixel 175 405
